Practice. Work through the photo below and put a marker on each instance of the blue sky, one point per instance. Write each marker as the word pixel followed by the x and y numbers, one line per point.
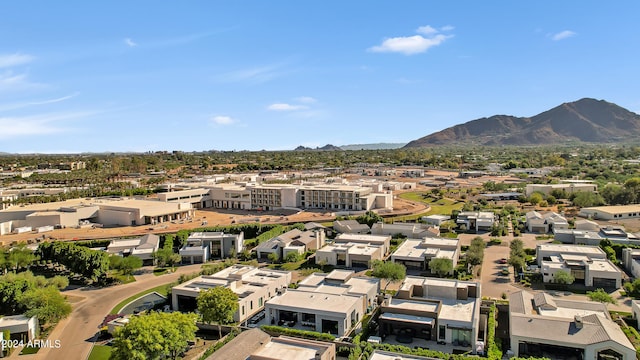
pixel 83 76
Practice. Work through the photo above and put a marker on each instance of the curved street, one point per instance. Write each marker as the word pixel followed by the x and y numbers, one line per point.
pixel 93 304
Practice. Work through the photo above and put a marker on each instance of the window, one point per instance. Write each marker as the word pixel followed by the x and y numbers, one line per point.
pixel 251 305
pixel 242 309
pixel 441 332
pixel 260 302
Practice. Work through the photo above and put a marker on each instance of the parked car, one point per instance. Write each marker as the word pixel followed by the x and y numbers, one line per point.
pixel 503 261
pixel 505 270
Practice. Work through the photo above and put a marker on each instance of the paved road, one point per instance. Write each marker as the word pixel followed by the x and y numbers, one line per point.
pixel 76 332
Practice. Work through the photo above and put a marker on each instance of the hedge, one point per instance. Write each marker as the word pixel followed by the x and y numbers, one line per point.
pixel 298 333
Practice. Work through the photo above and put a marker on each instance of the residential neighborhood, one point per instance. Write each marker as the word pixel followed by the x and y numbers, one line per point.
pixel 460 280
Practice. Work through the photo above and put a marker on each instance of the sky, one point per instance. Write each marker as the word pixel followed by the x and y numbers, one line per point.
pixel 117 76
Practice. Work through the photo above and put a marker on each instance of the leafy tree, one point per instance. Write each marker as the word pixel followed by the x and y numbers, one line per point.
pixel 535 198
pixel 130 264
pixel 292 257
pixel 563 277
pixel 218 305
pixel 441 266
pixel 45 303
pixel 20 257
pixel 475 253
pixel 586 199
pixel 273 257
pixel 390 271
pixel 369 218
pixel 154 336
pixel 115 262
pixel 602 296
pixel 518 262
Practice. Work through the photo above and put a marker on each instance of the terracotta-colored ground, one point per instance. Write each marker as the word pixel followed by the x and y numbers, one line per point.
pixel 210 216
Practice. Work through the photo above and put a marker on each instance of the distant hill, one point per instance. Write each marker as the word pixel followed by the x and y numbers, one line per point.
pixel 585 120
pixel 378 146
pixel 327 147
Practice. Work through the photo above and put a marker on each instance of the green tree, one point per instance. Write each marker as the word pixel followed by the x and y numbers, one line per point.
pixel 535 198
pixel 45 303
pixel 154 336
pixel 390 271
pixel 20 257
pixel 441 266
pixel 563 277
pixel 369 218
pixel 273 257
pixel 130 264
pixel 292 257
pixel 602 296
pixel 475 253
pixel 218 305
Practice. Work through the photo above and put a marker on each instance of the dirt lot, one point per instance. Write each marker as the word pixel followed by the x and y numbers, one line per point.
pixel 212 218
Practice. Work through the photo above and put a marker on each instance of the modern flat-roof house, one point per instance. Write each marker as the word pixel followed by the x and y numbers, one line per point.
pixel 569 188
pixel 332 303
pixel 410 230
pixel 415 254
pixel 635 309
pixel 615 212
pixel 476 220
pixel 142 247
pixel 254 287
pixel 21 327
pixel 544 223
pixel 292 241
pixel 350 227
pixel 631 261
pixel 436 219
pixel 202 246
pixel 588 265
pixel 436 310
pixel 383 241
pixel 616 235
pixel 541 325
pixel 256 344
pixel 351 255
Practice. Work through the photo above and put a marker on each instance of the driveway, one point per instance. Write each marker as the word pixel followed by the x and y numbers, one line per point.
pixel 76 332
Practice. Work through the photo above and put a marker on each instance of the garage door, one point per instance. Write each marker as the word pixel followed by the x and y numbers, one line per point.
pixel 604 283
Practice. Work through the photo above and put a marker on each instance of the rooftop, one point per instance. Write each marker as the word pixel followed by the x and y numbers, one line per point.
pixel 331 303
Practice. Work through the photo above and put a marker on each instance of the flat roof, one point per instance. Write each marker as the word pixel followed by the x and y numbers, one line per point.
pixel 564 248
pixel 363 237
pixel 615 209
pixel 14 320
pixel 331 303
pixel 423 306
pixel 458 310
pixel 276 349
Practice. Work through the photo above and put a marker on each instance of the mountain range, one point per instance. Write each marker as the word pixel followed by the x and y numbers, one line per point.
pixel 586 120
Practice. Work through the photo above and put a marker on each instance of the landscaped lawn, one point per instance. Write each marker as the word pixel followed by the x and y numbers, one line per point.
pixel 100 352
pixel 29 350
pixel 442 206
pixel 162 290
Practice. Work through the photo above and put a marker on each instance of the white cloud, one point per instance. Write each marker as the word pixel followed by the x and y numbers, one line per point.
pixel 447 28
pixel 415 44
pixel 223 120
pixel 14 60
pixel 410 45
pixel 257 75
pixel 563 35
pixel 34 103
pixel 37 124
pixel 426 30
pixel 16 82
pixel 306 99
pixel 285 107
pixel 130 43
